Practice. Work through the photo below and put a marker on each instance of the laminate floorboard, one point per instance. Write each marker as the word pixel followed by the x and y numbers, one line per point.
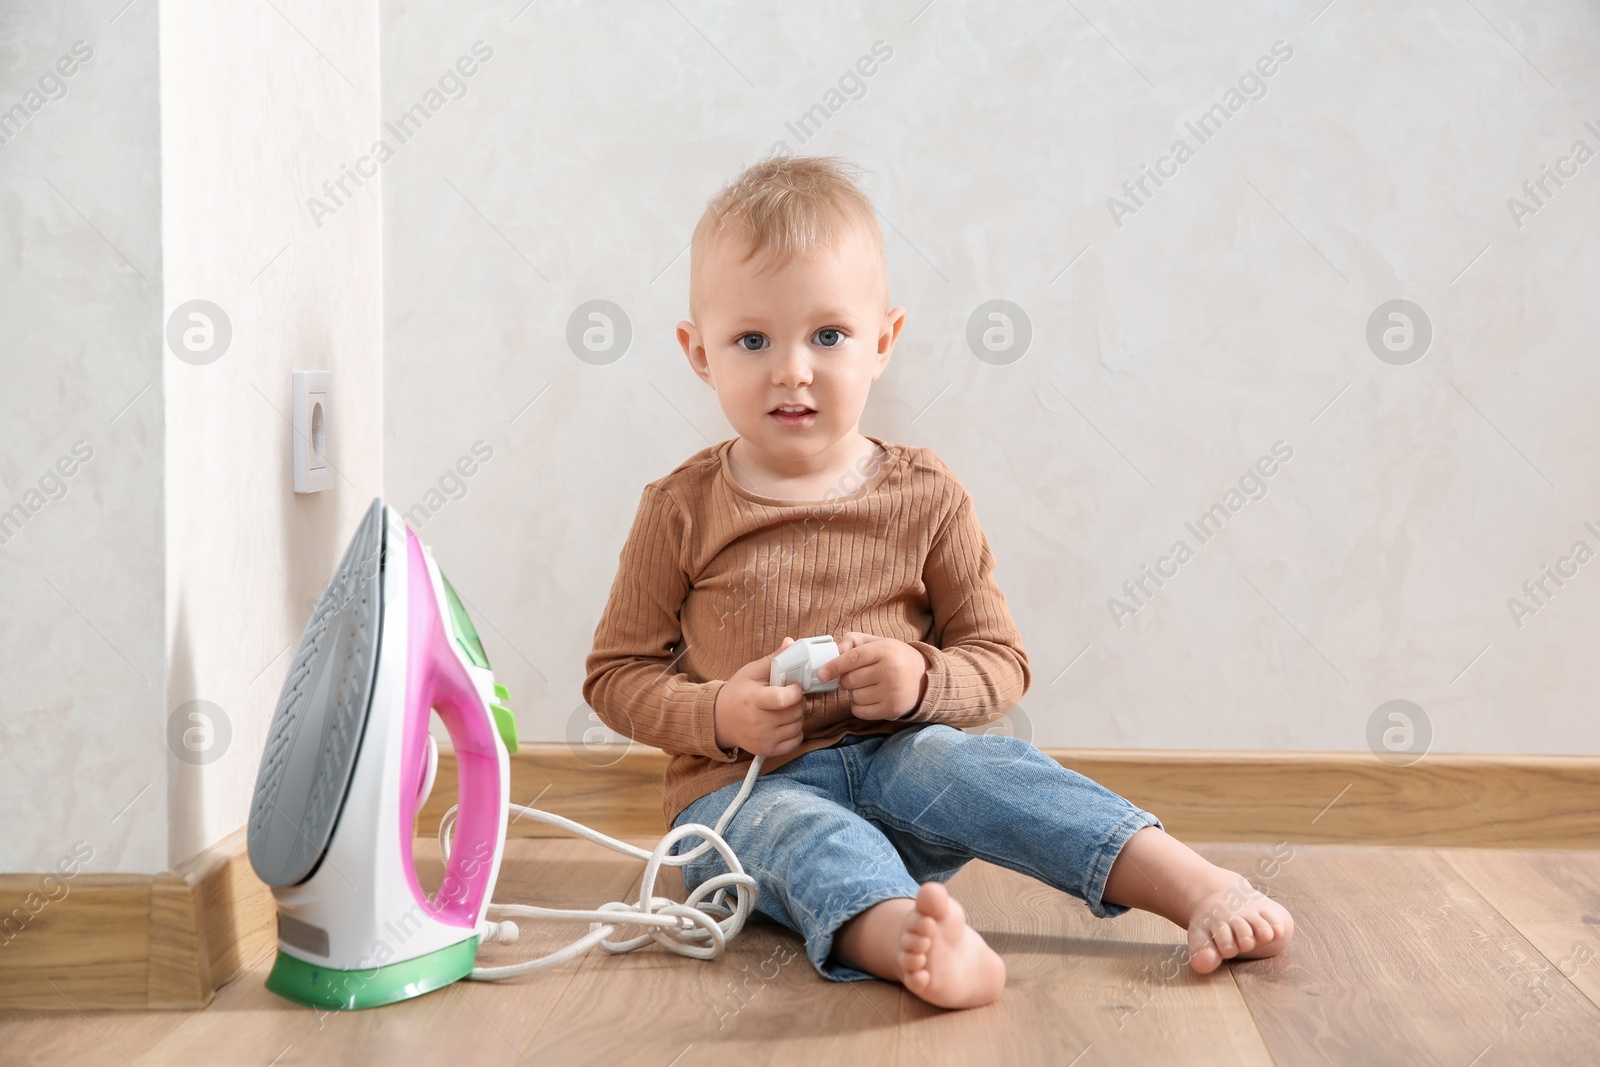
pixel 1398 958
pixel 1401 955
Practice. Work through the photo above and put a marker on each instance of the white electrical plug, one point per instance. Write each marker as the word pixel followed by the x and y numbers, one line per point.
pixel 801 661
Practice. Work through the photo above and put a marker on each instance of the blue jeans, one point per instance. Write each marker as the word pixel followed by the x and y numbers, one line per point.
pixel 835 831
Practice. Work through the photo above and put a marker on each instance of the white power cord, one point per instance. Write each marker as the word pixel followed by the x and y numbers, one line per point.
pixel 683 928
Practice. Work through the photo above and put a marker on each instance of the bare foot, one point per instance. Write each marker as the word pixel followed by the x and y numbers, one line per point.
pixel 926 945
pixel 942 959
pixel 1236 921
pixel 1226 917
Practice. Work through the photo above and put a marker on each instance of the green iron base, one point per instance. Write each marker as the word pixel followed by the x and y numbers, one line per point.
pixel 323 987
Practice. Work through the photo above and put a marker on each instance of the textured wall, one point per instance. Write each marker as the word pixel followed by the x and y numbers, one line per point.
pixel 1178 334
pixel 81 431
pixel 1198 222
pixel 261 104
pixel 152 595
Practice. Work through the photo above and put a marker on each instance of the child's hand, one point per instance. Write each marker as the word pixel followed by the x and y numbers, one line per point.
pixel 886 677
pixel 762 719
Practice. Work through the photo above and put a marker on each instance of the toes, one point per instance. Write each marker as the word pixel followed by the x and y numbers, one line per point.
pixel 1203 954
pixel 1222 937
pixel 1275 918
pixel 1243 934
pixel 933 899
pixel 1206 960
pixel 1263 929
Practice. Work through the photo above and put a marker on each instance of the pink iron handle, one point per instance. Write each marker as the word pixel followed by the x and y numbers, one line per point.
pixel 436 680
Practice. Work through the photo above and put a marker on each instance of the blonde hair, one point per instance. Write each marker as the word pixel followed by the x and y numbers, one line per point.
pixel 785 207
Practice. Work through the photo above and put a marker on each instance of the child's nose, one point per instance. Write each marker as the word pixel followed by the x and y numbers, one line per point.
pixel 793 368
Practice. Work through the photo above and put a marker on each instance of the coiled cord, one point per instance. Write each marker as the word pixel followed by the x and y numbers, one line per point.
pixel 687 928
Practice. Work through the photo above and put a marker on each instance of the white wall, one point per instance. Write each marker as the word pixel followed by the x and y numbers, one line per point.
pixel 261 103
pixel 1227 313
pixel 179 566
pixel 1168 353
pixel 81 569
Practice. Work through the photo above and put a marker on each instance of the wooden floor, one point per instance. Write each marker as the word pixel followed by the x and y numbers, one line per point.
pixel 1405 956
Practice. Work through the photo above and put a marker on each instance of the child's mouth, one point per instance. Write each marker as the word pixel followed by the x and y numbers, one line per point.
pixel 793 415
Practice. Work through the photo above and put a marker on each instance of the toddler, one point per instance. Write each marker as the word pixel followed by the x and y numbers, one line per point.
pixel 871 796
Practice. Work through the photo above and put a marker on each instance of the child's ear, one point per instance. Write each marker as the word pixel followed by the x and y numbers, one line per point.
pixel 694 348
pixel 893 320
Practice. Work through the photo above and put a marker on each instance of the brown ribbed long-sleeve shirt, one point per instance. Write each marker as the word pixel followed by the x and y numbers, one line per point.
pixel 713 576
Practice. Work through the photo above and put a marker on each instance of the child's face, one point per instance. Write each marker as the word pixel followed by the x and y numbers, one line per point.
pixel 814 333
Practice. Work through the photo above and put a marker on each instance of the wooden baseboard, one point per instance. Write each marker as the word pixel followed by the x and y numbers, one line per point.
pixel 167 940
pixel 1306 797
pixel 171 940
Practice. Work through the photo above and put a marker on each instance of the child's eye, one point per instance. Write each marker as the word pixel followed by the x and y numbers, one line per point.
pixel 760 342
pixel 829 337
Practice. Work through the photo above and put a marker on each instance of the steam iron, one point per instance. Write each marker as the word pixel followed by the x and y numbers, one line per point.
pixel 348 762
